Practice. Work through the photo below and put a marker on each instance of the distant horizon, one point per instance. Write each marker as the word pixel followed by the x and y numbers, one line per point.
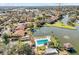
pixel 39 4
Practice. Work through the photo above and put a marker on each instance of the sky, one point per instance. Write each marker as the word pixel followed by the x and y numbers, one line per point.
pixel 36 4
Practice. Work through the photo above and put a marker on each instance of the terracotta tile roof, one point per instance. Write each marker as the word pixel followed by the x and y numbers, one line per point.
pixel 20 27
pixel 19 32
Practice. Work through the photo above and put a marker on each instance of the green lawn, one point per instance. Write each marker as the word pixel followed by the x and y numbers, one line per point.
pixel 61 25
pixel 77 24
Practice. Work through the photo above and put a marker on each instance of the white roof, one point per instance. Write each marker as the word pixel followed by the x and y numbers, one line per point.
pixel 78 21
pixel 51 50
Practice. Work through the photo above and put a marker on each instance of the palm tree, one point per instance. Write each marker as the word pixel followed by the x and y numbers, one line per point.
pixel 54 42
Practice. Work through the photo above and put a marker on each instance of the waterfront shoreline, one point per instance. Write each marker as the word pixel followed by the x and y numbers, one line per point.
pixel 70 28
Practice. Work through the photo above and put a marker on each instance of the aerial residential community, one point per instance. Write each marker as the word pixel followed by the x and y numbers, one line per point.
pixel 39 30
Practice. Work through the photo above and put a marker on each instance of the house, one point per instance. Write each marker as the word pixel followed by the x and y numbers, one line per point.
pixel 72 19
pixel 20 26
pixel 26 38
pixel 77 21
pixel 51 51
pixel 7 31
pixel 19 33
pixel 67 45
pixel 42 21
pixel 19 30
pixel 41 41
pixel 52 19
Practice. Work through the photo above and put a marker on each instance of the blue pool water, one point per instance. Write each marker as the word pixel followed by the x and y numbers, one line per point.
pixel 42 41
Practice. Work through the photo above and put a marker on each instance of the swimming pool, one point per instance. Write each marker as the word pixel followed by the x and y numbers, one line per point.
pixel 43 41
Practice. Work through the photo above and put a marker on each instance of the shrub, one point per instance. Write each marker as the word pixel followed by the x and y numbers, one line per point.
pixel 21 49
pixel 5 38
